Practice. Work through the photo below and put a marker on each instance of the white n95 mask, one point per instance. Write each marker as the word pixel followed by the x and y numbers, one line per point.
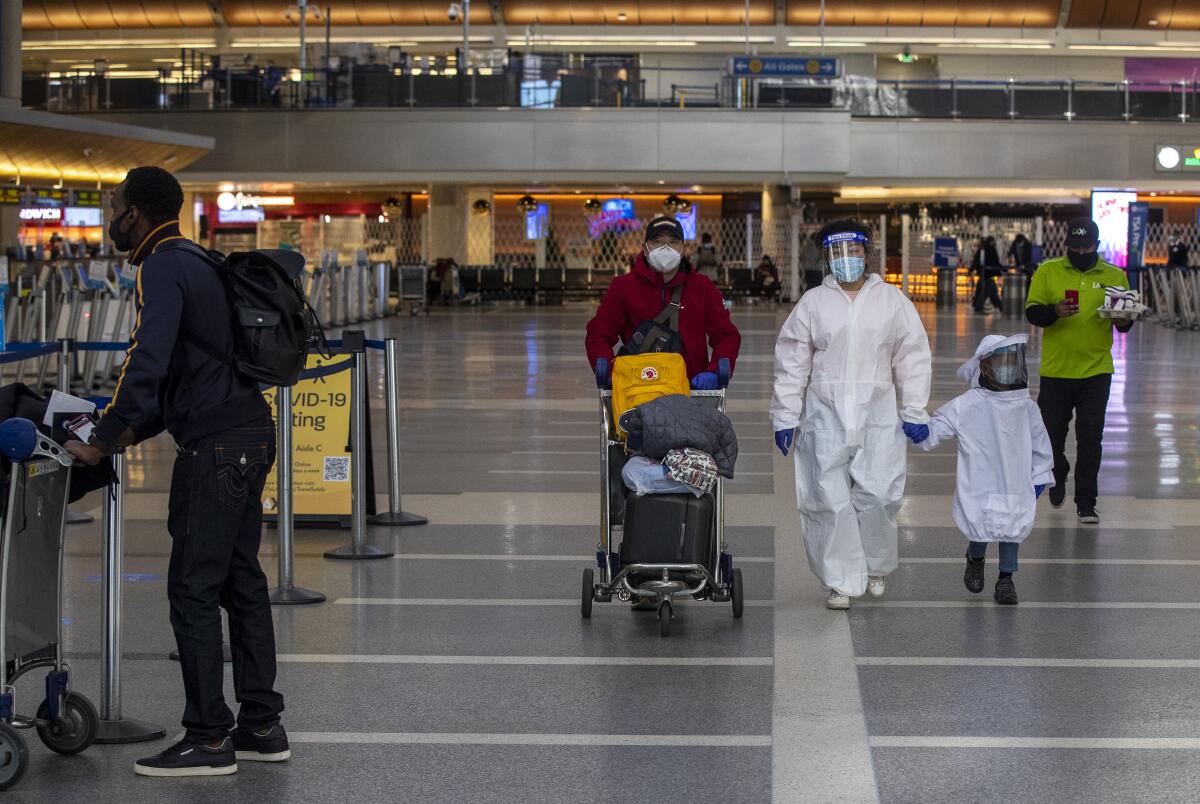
pixel 664 259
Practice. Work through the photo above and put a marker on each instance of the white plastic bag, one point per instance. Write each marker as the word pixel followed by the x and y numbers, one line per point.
pixel 645 476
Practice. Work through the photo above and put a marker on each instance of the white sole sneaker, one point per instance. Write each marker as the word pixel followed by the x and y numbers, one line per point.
pixel 203 770
pixel 836 602
pixel 876 587
pixel 254 756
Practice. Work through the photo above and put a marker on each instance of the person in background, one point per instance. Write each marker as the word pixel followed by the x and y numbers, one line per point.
pixel 986 264
pixel 1178 255
pixel 708 263
pixel 766 279
pixel 1077 363
pixel 1020 256
pixel 225 446
pixel 1004 458
pixel 852 377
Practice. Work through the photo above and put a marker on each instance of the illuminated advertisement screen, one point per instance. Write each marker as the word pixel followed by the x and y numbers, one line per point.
pixel 688 221
pixel 247 215
pixel 537 222
pixel 1110 211
pixel 616 215
pixel 82 216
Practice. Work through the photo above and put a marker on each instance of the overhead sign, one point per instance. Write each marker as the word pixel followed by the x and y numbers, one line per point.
pixel 12 195
pixel 47 197
pixel 785 67
pixel 1176 158
pixel 320 433
pixel 229 201
pixel 1139 217
pixel 86 198
pixel 40 214
pixel 248 215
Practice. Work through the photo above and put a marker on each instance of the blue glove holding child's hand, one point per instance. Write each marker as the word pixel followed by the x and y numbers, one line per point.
pixel 705 381
pixel 916 432
pixel 1038 489
pixel 783 440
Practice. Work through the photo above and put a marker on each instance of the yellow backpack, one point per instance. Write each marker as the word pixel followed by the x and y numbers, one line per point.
pixel 641 378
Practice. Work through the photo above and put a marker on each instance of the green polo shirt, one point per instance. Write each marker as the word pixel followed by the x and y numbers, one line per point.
pixel 1079 346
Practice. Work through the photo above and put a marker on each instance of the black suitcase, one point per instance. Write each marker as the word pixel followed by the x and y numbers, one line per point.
pixel 668 529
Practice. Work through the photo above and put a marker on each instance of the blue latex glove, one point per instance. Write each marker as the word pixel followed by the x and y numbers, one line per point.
pixel 705 381
pixel 1038 489
pixel 783 440
pixel 916 432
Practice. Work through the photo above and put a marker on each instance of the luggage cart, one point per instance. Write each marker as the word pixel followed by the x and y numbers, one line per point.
pixel 413 279
pixel 718 581
pixel 31 570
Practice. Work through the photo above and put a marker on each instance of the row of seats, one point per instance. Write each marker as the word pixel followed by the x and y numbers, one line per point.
pixel 530 284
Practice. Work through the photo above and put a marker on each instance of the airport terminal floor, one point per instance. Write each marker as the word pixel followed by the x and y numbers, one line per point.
pixel 461 670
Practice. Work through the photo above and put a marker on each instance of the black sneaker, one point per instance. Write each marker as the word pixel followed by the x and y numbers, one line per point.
pixel 1058 495
pixel 267 745
pixel 1006 592
pixel 186 758
pixel 1088 515
pixel 973 577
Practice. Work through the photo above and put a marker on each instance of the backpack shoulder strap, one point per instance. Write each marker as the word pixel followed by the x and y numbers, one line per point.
pixel 670 313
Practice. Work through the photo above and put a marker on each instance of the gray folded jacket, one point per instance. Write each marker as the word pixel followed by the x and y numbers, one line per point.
pixel 675 422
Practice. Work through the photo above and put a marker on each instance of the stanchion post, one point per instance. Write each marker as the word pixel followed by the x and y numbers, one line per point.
pixel 114 728
pixel 395 515
pixel 65 347
pixel 358 549
pixel 287 593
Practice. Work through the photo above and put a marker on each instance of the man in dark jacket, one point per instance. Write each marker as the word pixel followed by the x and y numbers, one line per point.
pixel 987 265
pixel 641 295
pixel 225 442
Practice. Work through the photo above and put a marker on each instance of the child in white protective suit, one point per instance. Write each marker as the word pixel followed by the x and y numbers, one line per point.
pixel 852 374
pixel 1004 457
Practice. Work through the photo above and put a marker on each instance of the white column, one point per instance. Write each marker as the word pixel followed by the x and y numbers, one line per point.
pixel 883 246
pixel 1038 232
pixel 480 249
pixel 448 223
pixel 905 234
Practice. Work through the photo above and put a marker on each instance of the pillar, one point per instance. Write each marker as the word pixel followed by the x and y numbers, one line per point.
pixel 480 249
pixel 448 211
pixel 9 228
pixel 189 225
pixel 775 219
pixel 10 50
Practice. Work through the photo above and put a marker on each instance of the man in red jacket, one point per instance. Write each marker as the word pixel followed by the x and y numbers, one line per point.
pixel 641 295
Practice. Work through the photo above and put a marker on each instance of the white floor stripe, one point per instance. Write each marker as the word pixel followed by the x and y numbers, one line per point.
pixel 596 452
pixel 1102 562
pixel 1087 743
pixel 587 560
pixel 582 661
pixel 990 661
pixel 594 472
pixel 1036 604
pixel 504 601
pixel 613 740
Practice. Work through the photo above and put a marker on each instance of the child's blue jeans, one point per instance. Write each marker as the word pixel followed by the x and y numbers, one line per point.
pixel 1008 554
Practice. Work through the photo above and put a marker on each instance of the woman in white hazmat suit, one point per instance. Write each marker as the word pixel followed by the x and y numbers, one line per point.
pixel 852 368
pixel 1004 457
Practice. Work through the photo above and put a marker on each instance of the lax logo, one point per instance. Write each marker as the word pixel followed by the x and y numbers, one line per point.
pixel 1078 232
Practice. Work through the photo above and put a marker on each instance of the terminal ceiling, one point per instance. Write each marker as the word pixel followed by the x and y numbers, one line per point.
pixel 48 15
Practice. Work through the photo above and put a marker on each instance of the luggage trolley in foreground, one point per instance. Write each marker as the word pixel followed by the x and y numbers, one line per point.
pixel 701 566
pixel 31 569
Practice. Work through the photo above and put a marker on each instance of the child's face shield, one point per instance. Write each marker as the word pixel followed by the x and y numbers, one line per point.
pixel 1005 368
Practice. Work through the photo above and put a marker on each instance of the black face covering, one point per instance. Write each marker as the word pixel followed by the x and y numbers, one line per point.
pixel 122 242
pixel 1082 261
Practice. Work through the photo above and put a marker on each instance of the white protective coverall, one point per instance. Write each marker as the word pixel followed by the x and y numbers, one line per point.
pixel 846 373
pixel 1003 452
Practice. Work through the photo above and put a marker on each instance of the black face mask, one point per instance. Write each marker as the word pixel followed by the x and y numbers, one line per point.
pixel 1082 261
pixel 122 242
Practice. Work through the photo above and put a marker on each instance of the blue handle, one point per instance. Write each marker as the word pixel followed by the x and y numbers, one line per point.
pixel 602 380
pixel 723 372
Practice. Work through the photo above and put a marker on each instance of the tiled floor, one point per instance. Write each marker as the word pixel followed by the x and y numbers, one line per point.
pixel 461 671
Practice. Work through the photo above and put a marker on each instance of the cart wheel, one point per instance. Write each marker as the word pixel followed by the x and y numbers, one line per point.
pixel 75 728
pixel 589 591
pixel 14 756
pixel 665 614
pixel 736 593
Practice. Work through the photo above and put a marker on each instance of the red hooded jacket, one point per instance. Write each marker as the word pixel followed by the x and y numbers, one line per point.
pixel 641 295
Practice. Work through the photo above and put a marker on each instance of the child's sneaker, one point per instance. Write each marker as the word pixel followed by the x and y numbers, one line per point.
pixel 875 585
pixel 836 601
pixel 1006 592
pixel 973 577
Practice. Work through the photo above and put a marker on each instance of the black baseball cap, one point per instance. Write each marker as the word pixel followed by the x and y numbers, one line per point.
pixel 664 224
pixel 1082 233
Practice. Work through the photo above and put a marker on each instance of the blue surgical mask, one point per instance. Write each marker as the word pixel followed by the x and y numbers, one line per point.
pixel 848 270
pixel 1007 374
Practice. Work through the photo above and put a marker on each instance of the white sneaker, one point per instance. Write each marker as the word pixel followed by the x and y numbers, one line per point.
pixel 875 585
pixel 837 601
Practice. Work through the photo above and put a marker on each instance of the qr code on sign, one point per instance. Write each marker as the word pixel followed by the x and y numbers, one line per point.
pixel 337 469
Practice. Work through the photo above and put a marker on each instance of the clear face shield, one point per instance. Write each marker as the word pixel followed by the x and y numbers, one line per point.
pixel 1005 369
pixel 846 255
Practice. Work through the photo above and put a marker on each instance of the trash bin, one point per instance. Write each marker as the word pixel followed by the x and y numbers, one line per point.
pixel 1014 294
pixel 947 292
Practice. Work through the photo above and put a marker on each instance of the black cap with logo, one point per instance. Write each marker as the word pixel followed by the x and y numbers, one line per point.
pixel 1082 233
pixel 664 225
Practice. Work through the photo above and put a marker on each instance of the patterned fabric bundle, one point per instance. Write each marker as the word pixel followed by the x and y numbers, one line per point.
pixel 1122 299
pixel 693 467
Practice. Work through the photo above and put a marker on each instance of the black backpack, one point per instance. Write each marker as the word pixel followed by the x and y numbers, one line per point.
pixel 274 327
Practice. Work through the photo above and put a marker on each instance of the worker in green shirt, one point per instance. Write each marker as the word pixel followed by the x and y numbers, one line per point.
pixel 1077 364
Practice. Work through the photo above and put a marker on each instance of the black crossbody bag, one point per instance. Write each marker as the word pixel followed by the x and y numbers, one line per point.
pixel 660 334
